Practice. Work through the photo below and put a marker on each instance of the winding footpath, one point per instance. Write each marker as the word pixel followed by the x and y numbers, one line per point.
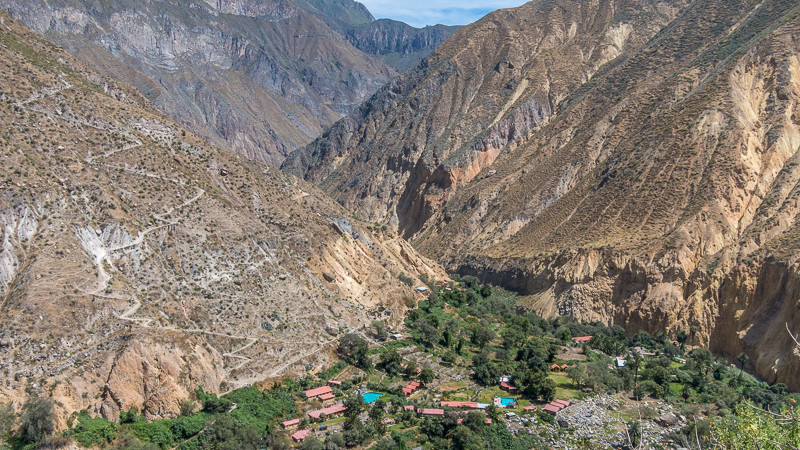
pixel 104 277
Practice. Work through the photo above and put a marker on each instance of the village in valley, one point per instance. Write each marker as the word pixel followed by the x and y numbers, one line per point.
pixel 464 362
pixel 467 368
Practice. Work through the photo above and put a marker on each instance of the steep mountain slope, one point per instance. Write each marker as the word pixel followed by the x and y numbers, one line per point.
pixel 139 262
pixel 636 165
pixel 261 77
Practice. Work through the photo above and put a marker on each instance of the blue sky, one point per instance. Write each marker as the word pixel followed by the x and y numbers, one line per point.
pixel 448 12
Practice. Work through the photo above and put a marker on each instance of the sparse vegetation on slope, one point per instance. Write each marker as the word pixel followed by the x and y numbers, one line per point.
pixel 139 262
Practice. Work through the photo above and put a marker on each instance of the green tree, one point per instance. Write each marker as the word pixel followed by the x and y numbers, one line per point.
pixel 7 419
pixel 38 419
pixel 188 407
pixel 493 412
pixel 128 441
pixel 578 374
pixel 459 345
pixel 702 359
pixel 547 391
pixel 376 416
pixel 355 405
pixel 390 361
pixel 312 443
pixel 482 335
pixel 466 439
pixel 486 372
pixel 661 376
pixel 742 358
pixel 634 433
pixel 411 369
pixel 379 328
pixel 694 329
pixel 426 376
pixel 355 350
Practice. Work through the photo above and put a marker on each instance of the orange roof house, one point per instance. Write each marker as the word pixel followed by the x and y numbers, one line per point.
pixel 300 435
pixel 473 405
pixel 582 338
pixel 329 411
pixel 411 387
pixel 508 386
pixel 316 392
pixel 551 409
pixel 290 423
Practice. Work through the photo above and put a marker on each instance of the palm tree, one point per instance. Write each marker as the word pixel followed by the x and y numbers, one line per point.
pixel 742 358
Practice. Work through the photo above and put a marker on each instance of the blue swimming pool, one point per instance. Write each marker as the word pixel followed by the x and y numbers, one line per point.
pixel 505 401
pixel 370 397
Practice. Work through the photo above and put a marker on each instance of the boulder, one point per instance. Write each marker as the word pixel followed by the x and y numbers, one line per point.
pixel 667 420
pixel 329 277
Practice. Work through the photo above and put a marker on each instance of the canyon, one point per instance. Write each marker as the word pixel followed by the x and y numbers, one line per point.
pixel 627 162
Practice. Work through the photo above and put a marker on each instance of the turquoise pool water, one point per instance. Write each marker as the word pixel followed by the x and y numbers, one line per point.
pixel 370 397
pixel 505 401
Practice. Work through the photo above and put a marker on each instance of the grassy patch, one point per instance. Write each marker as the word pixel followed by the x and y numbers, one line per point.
pixel 565 389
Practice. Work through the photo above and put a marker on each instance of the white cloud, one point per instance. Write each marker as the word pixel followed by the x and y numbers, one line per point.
pixel 420 13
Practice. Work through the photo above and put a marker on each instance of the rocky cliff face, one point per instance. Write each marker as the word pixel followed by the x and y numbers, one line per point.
pixel 638 166
pixel 398 44
pixel 139 262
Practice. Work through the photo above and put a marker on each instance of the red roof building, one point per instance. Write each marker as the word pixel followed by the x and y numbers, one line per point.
pixel 334 383
pixel 409 408
pixel 555 368
pixel 328 396
pixel 508 386
pixel 563 403
pixel 411 388
pixel 530 408
pixel 329 411
pixel 551 409
pixel 290 423
pixel 473 405
pixel 311 393
pixel 582 338
pixel 300 435
pixel 431 412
